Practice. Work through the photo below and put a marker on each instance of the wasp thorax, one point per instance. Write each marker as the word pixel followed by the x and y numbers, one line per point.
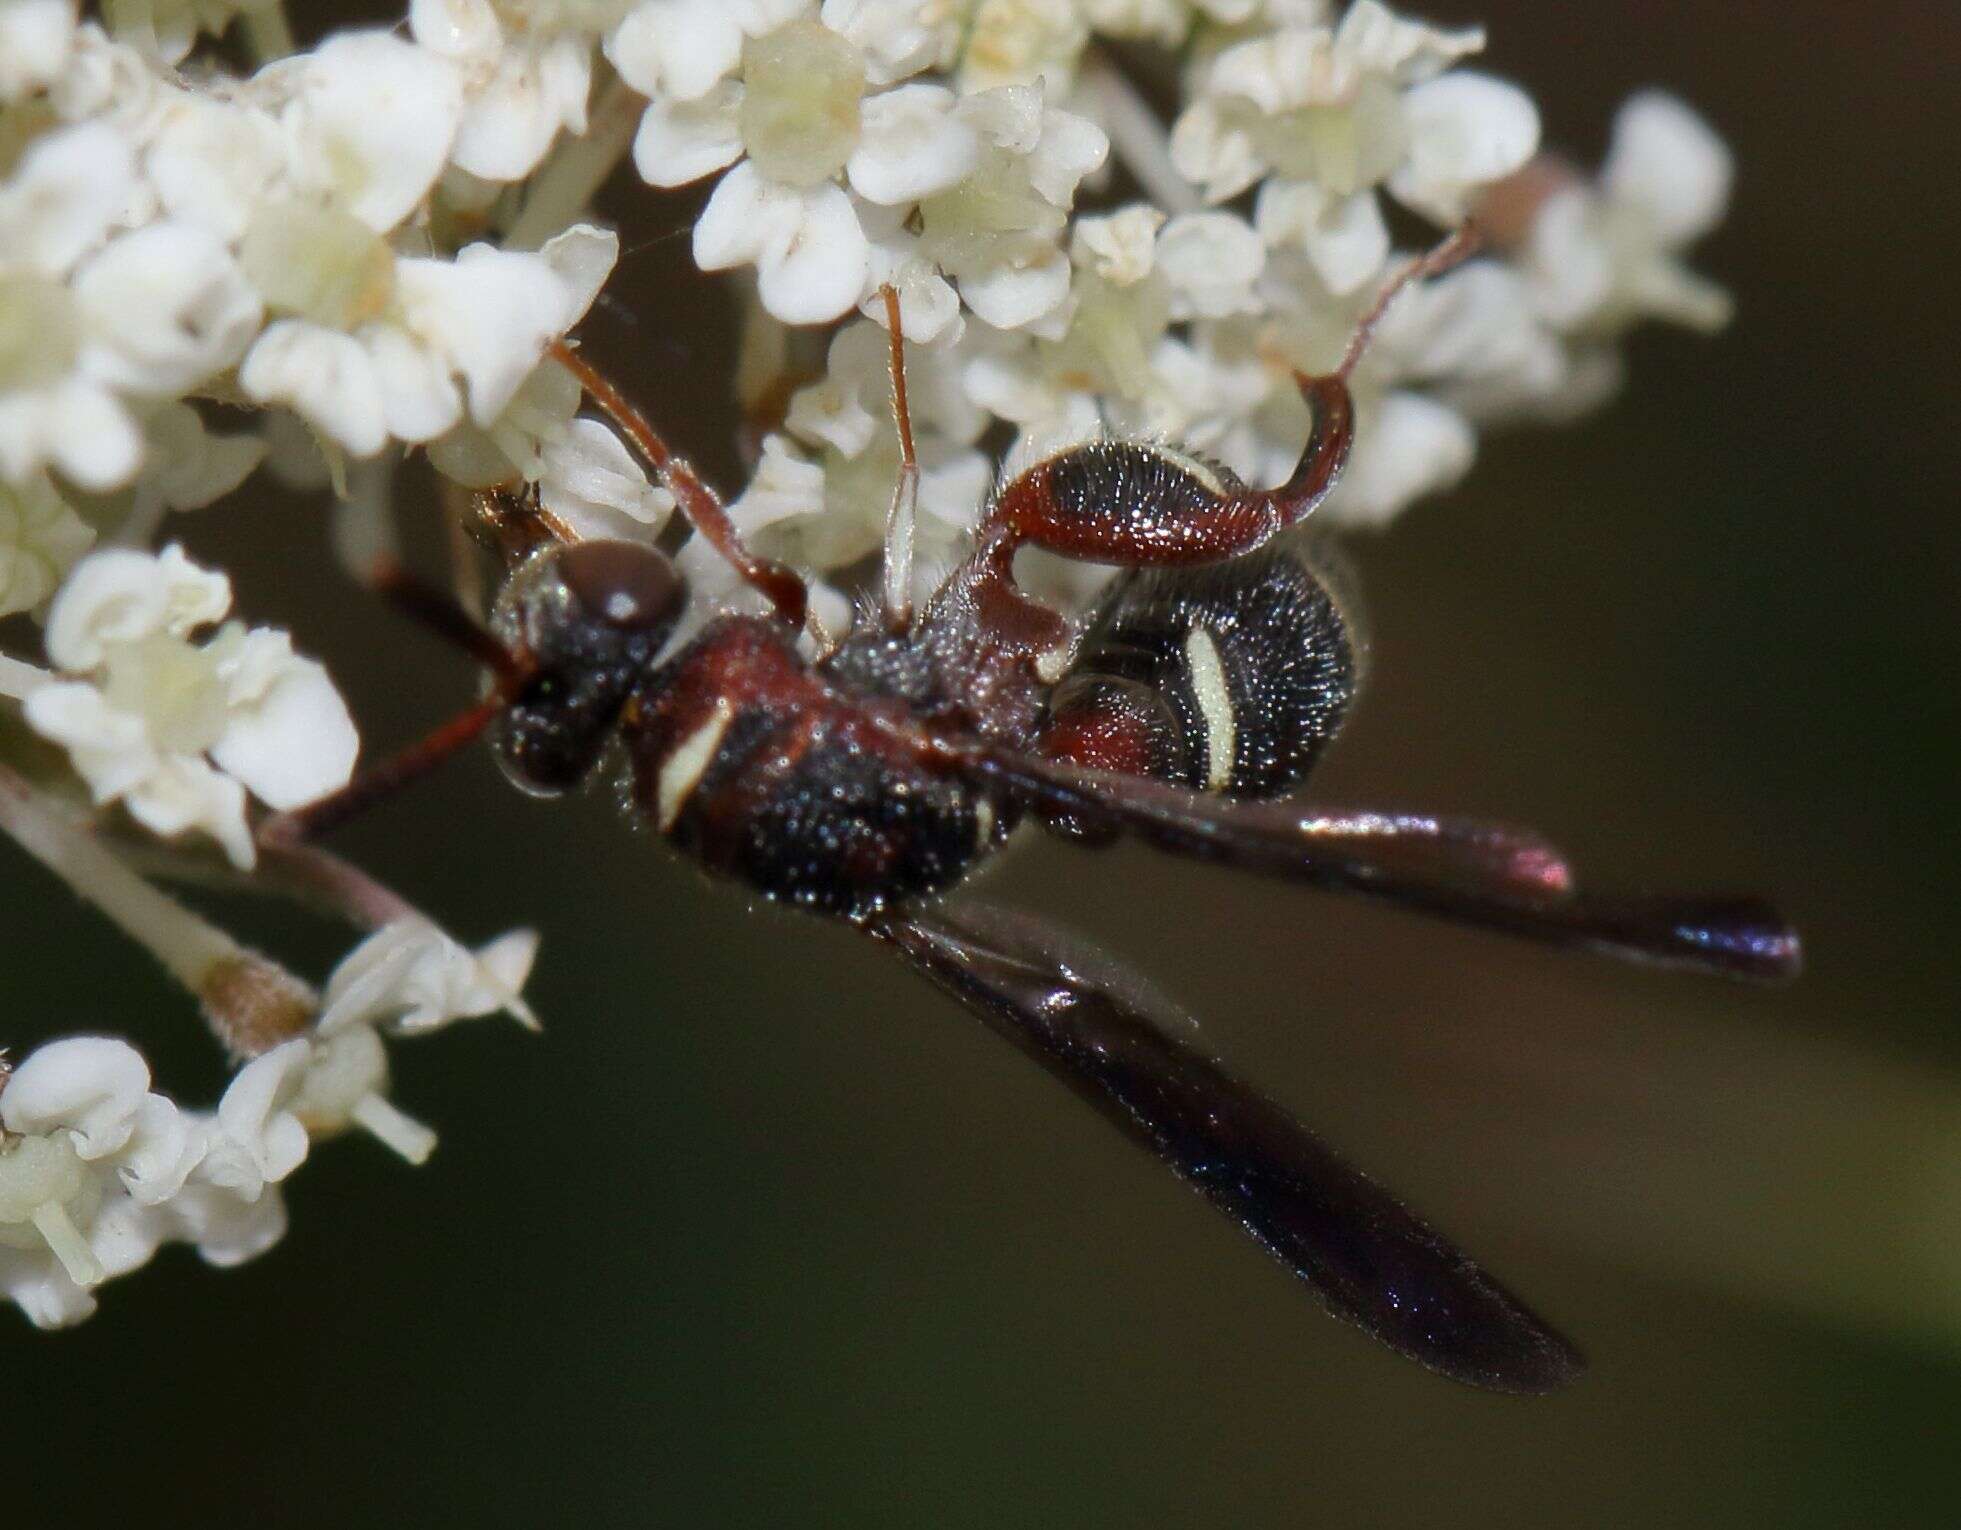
pixel 587 621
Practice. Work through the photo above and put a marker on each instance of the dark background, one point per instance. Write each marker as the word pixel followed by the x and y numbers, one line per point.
pixel 763 1232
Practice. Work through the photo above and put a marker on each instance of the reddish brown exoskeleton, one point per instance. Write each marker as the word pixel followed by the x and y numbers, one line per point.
pixel 867 781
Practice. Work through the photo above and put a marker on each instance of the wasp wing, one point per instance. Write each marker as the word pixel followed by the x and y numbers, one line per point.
pixel 1100 1029
pixel 1459 869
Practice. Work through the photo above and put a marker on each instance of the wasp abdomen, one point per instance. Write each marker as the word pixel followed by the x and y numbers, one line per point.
pixel 762 772
pixel 1230 678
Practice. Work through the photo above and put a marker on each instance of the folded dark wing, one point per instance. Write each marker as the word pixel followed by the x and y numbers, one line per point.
pixel 1100 1029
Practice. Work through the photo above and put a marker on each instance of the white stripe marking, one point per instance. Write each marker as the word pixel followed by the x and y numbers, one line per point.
pixel 1214 696
pixel 681 771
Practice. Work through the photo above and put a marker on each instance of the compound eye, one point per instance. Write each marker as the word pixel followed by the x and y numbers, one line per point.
pixel 627 585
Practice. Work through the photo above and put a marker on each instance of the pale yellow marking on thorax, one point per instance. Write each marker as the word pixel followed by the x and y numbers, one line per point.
pixel 681 771
pixel 1214 705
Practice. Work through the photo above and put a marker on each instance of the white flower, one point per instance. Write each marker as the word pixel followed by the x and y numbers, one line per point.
pixel 517 93
pixel 165 308
pixel 830 512
pixel 41 537
pixel 1343 237
pixel 1021 42
pixel 1598 259
pixel 59 204
pixel 372 120
pixel 346 1085
pixel 1466 130
pixel 153 714
pixel 809 251
pixel 998 232
pixel 1121 247
pixel 1210 262
pixel 597 488
pixel 35 39
pixel 410 977
pixel 63 196
pixel 486 317
pixel 897 37
pixel 683 48
pixel 89 1086
pixel 91 1153
pixel 213 162
pixel 186 466
pixel 1333 112
pixel 256 1140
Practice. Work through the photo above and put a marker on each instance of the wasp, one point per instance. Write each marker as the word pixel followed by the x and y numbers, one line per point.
pixel 867 780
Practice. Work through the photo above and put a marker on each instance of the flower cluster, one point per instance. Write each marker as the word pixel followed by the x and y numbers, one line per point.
pixel 373 246
pixel 97 1171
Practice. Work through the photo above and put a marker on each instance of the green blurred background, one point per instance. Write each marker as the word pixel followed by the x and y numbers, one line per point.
pixel 763 1232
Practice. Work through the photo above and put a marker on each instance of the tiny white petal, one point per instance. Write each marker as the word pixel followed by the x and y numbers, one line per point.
pixel 581 257
pixel 458 29
pixel 36 37
pixel 168 308
pixel 295 742
pixel 682 140
pixel 897 37
pixel 212 162
pixel 1344 238
pixel 1120 247
pixel 325 376
pixel 419 398
pixel 412 977
pixel 191 467
pixel 164 1148
pixel 373 119
pixel 1012 294
pixel 110 750
pixel 491 311
pixel 120 595
pixel 78 426
pixel 1372 38
pixel 1212 153
pixel 678 48
pixel 1670 163
pixel 258 1140
pixel 1465 130
pixel 184 793
pixel 1210 261
pixel 90 1086
pixel 1070 148
pixel 512 119
pixel 1007 116
pixel 68 188
pixel 911 144
pixel 597 487
pixel 810 251
pixel 41 539
pixel 783 486
pixel 228 1227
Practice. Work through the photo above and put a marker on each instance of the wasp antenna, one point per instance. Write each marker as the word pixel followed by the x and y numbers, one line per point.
pixel 1456 248
pixel 900 517
pixel 702 506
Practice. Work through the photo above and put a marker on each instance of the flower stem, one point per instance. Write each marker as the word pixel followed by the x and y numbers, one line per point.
pixel 18 677
pixel 268 34
pixel 578 167
pixel 250 1002
pixel 1138 136
pixel 67 1244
